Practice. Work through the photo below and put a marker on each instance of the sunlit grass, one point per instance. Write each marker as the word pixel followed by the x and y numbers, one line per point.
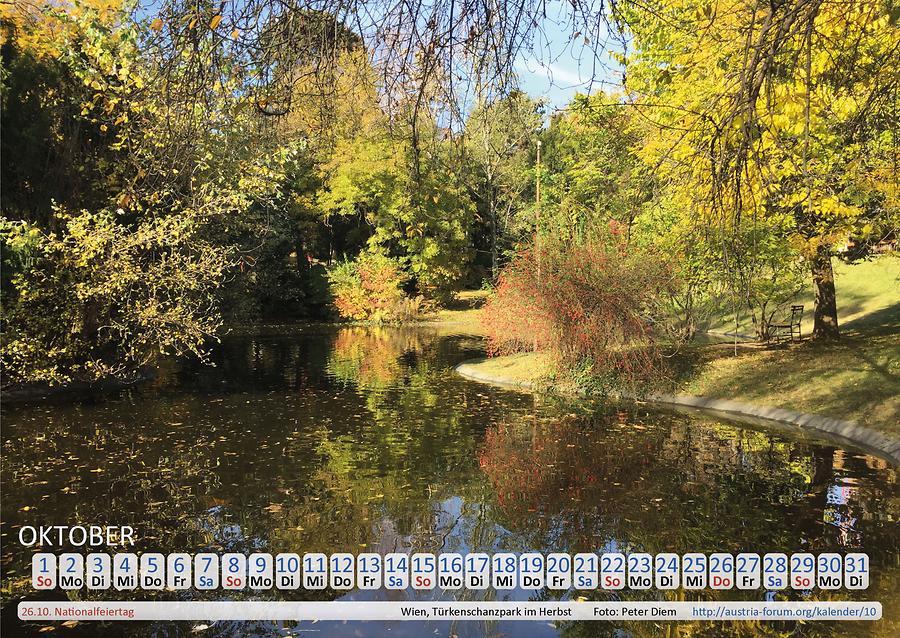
pixel 856 378
pixel 522 367
pixel 463 312
pixel 867 292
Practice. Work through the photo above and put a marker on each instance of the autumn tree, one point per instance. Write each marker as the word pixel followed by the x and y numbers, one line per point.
pixel 785 113
pixel 595 180
pixel 104 268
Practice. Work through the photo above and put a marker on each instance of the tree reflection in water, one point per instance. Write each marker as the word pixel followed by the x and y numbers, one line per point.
pixel 365 440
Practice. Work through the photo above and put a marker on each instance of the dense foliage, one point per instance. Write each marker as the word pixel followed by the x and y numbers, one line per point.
pixel 775 115
pixel 98 296
pixel 145 207
pixel 370 288
pixel 590 305
pixel 168 173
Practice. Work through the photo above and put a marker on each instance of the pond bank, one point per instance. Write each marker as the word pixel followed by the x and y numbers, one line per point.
pixel 43 391
pixel 522 371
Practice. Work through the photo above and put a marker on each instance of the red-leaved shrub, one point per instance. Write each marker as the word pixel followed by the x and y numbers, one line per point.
pixel 590 304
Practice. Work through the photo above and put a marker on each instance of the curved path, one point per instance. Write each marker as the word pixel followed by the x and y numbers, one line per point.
pixel 866 438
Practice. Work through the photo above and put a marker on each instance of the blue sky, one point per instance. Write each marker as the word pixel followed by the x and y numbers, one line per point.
pixel 559 66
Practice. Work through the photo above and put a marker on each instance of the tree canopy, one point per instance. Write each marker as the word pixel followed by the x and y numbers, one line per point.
pixel 171 168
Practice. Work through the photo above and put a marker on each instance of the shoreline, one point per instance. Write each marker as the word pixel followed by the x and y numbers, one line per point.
pixel 35 392
pixel 860 436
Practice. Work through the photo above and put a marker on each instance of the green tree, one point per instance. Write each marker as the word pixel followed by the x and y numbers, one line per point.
pixel 160 199
pixel 414 209
pixel 496 161
pixel 595 180
pixel 784 113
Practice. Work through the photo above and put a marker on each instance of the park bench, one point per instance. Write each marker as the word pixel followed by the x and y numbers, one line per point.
pixel 790 330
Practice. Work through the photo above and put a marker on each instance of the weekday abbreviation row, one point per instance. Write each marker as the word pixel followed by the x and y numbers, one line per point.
pixel 502 571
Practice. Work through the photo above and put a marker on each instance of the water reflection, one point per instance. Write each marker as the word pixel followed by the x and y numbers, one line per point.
pixel 364 440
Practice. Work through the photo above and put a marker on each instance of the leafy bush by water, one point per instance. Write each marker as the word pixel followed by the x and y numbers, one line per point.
pixel 370 288
pixel 98 298
pixel 593 307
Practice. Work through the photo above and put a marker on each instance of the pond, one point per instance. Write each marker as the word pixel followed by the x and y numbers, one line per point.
pixel 355 439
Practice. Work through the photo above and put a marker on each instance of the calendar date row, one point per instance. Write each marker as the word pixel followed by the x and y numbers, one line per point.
pixel 500 571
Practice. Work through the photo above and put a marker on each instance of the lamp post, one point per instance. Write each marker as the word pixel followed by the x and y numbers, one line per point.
pixel 537 214
pixel 537 225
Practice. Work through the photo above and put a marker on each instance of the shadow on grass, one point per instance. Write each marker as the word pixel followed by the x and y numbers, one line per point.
pixel 881 322
pixel 467 300
pixel 856 377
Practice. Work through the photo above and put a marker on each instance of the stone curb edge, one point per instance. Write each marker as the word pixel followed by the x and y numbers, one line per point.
pixel 885 446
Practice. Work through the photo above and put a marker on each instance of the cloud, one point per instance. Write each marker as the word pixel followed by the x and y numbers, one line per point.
pixel 554 73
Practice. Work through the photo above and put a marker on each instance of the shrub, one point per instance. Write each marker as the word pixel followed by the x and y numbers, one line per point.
pixel 370 288
pixel 589 305
pixel 99 298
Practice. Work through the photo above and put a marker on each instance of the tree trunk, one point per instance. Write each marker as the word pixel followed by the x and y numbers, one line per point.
pixel 825 314
pixel 495 267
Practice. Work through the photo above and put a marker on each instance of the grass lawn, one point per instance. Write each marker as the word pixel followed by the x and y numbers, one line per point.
pixel 516 368
pixel 856 378
pixel 463 312
pixel 867 290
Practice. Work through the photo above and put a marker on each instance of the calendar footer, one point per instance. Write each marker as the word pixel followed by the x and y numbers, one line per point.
pixel 448 610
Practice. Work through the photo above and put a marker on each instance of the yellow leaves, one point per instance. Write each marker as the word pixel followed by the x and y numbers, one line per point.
pixel 47 30
pixel 215 21
pixel 157 24
pixel 833 208
pixel 111 104
pixel 704 12
pixel 235 34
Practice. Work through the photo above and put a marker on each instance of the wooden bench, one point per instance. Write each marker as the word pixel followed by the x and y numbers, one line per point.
pixel 788 331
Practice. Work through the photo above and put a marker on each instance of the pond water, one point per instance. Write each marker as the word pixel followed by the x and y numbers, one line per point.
pixel 354 439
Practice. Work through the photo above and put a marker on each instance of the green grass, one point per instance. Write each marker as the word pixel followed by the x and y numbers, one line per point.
pixel 868 296
pixel 464 312
pixel 516 368
pixel 856 378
